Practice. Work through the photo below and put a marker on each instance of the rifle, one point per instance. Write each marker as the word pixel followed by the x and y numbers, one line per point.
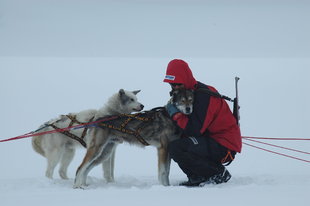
pixel 236 103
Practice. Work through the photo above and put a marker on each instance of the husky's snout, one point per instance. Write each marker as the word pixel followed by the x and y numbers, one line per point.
pixel 188 110
pixel 139 108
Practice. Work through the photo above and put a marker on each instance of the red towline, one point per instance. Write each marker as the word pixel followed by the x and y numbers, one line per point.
pixel 252 139
pixel 33 134
pixel 274 138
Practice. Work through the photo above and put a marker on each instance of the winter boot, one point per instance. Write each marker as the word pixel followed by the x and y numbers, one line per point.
pixel 219 178
pixel 194 181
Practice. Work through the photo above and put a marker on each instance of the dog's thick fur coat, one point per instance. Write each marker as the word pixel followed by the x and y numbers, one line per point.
pixel 158 132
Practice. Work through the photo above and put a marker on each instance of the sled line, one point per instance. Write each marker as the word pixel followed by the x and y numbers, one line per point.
pixel 273 145
pixel 275 138
pixel 277 153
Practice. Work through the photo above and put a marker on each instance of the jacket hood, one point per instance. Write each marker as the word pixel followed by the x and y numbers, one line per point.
pixel 179 72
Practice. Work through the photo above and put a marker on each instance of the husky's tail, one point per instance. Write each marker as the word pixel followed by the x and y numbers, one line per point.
pixel 36 145
pixel 37 140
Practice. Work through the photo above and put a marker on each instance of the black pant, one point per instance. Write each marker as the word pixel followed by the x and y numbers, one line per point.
pixel 198 156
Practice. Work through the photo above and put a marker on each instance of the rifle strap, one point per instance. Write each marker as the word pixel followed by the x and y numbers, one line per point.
pixel 218 95
pixel 215 94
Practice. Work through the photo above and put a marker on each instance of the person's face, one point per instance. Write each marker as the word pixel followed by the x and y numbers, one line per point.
pixel 176 85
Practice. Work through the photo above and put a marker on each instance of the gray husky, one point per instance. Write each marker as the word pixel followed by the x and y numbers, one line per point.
pixel 153 127
pixel 60 147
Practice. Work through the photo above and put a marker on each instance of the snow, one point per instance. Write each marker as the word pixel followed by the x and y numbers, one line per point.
pixel 55 64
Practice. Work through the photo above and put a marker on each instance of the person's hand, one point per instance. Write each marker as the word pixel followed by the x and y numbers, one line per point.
pixel 172 109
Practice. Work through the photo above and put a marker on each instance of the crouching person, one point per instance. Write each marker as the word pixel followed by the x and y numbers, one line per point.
pixel 211 135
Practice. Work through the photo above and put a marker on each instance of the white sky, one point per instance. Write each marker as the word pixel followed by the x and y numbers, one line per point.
pixel 149 28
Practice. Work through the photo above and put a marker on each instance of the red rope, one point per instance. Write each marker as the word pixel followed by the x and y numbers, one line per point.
pixel 278 153
pixel 292 157
pixel 33 134
pixel 294 150
pixel 274 138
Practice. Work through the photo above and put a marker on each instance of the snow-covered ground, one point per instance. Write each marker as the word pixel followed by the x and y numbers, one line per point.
pixel 50 66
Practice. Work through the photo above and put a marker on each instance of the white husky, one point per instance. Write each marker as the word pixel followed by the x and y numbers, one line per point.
pixel 59 147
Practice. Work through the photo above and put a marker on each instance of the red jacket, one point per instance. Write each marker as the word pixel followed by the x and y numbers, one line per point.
pixel 211 115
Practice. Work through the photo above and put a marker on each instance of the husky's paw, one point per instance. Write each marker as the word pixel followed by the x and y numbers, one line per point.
pixel 63 175
pixel 109 180
pixel 79 185
pixel 83 187
pixel 49 175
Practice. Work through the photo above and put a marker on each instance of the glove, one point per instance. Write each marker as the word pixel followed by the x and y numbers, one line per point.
pixel 172 109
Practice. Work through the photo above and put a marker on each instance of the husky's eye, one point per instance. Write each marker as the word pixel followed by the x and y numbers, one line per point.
pixel 132 100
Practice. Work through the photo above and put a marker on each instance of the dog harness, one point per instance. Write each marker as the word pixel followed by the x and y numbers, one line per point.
pixel 143 117
pixel 71 135
pixel 108 122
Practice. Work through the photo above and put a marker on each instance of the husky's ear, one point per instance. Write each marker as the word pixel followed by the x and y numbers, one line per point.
pixel 173 92
pixel 173 95
pixel 121 92
pixel 136 92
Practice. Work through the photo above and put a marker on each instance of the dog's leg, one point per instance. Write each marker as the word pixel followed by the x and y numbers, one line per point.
pixel 83 170
pixel 65 161
pixel 113 162
pixel 163 165
pixel 93 155
pixel 103 156
pixel 86 166
pixel 108 165
pixel 53 156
